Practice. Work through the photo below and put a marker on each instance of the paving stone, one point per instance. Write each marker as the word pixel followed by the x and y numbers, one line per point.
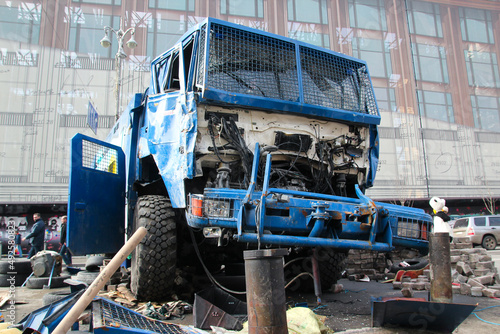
pixel 482 272
pixel 455 289
pixel 464 269
pixel 485 280
pixel 491 293
pixel 407 292
pixel 474 257
pixel 397 285
pixel 406 285
pixel 455 252
pixel 422 279
pixel 461 279
pixel 455 258
pixel 465 289
pixel 485 258
pixel 427 272
pixel 476 291
pixel 484 265
pixel 475 283
pixel 418 286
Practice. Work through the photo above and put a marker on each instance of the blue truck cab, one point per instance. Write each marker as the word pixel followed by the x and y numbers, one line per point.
pixel 243 140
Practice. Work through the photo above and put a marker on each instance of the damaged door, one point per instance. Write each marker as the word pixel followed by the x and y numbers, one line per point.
pixel 96 208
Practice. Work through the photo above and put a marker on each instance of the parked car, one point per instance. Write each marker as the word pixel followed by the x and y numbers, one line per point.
pixel 482 230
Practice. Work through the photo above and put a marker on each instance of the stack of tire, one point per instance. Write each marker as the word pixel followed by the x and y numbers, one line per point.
pixel 46 266
pixel 15 272
pixel 92 269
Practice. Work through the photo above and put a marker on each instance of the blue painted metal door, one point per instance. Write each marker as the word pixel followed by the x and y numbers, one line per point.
pixel 96 208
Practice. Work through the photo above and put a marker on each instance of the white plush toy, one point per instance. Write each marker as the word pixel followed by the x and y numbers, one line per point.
pixel 440 216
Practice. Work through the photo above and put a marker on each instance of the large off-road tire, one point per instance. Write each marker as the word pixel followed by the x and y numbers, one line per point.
pixel 331 265
pixel 154 260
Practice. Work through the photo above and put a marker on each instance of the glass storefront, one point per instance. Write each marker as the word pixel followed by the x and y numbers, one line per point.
pixel 434 66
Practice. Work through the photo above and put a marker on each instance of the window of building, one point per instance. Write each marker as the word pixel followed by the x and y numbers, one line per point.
pixel 436 105
pixel 482 69
pixel 476 25
pixel 163 34
pixel 367 14
pixel 101 2
pixel 21 23
pixel 184 5
pixel 430 63
pixel 485 110
pixel 309 11
pixel 424 19
pixel 87 30
pixel 251 8
pixel 375 53
pixel 309 34
pixel 386 98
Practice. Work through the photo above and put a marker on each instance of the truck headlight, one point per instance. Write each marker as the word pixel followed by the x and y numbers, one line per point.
pixel 220 208
pixel 212 232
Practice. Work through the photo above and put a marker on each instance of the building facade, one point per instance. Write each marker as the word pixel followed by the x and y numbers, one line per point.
pixel 434 66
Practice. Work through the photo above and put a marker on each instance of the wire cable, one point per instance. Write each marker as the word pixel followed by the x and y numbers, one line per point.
pixel 207 272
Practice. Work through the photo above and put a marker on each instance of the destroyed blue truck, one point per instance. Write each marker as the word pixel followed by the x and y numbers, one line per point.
pixel 243 140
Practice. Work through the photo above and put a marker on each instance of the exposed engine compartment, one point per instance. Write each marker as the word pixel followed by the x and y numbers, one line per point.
pixel 308 155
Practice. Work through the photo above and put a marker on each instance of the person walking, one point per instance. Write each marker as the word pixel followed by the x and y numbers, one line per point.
pixel 64 251
pixel 37 235
pixel 18 242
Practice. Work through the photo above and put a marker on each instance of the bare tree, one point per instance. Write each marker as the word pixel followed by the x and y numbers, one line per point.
pixel 489 201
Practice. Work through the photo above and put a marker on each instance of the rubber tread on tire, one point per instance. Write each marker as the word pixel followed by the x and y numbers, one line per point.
pixel 93 263
pixel 19 279
pixel 21 266
pixel 331 265
pixel 39 282
pixel 154 259
pixel 87 277
pixel 52 297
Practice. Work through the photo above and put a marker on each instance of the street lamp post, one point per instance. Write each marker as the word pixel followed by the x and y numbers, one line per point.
pixel 120 54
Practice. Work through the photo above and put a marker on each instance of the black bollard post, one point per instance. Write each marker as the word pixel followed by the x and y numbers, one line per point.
pixel 265 283
pixel 439 256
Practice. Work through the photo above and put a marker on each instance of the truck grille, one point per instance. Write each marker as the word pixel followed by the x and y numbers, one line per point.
pixel 413 229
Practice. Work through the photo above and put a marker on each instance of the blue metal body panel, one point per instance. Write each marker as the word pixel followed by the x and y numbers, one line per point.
pixel 216 96
pixel 171 120
pixel 96 214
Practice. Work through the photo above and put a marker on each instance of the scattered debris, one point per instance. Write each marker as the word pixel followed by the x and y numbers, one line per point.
pixel 473 272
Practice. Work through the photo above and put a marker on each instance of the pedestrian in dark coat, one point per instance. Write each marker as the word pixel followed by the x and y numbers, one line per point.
pixel 37 235
pixel 65 253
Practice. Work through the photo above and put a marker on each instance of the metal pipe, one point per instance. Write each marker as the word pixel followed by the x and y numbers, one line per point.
pixel 265 284
pixel 316 277
pixel 439 256
pixel 313 242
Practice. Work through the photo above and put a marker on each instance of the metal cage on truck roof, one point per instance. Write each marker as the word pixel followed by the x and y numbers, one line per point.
pixel 242 66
